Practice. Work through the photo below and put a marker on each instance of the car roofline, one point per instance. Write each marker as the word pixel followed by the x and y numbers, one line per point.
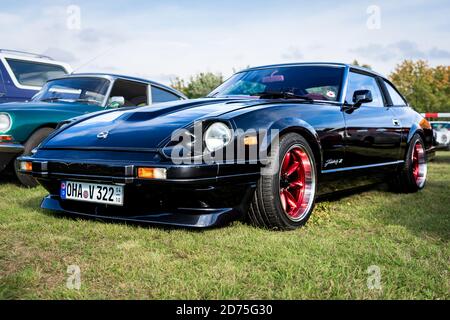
pixel 319 64
pixel 40 59
pixel 113 77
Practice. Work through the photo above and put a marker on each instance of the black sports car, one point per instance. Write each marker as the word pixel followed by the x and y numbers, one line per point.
pixel 263 146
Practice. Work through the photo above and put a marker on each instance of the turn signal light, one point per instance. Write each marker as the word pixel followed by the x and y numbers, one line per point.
pixel 26 166
pixel 152 173
pixel 251 140
pixel 6 138
pixel 425 124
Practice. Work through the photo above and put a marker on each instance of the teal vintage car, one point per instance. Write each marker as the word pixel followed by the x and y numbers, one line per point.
pixel 23 126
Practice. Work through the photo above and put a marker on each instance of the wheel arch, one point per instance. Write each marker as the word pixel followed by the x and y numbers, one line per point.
pixel 425 133
pixel 415 130
pixel 42 126
pixel 304 129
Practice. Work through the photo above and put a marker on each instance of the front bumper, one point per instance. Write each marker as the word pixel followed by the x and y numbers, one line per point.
pixel 193 195
pixel 192 218
pixel 442 147
pixel 8 152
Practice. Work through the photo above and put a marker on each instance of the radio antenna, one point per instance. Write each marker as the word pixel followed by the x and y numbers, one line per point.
pixel 92 59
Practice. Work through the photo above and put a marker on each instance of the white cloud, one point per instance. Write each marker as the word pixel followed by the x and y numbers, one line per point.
pixel 164 41
pixel 400 50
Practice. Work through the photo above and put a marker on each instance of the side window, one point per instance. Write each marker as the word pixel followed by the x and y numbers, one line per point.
pixel 160 95
pixel 30 73
pixel 134 93
pixel 357 81
pixel 396 98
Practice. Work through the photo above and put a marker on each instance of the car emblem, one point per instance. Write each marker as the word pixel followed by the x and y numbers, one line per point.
pixel 103 135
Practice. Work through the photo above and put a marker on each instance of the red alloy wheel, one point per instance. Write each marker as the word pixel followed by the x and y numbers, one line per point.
pixel 419 166
pixel 296 183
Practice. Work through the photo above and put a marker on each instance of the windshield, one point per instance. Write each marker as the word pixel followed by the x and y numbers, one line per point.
pixel 440 126
pixel 81 90
pixel 311 82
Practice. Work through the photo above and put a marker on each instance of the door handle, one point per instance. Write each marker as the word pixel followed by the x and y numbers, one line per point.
pixel 396 122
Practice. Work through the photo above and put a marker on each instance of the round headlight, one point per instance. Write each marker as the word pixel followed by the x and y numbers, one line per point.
pixel 217 136
pixel 5 122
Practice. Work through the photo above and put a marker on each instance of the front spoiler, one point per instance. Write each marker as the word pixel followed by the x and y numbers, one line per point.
pixel 193 218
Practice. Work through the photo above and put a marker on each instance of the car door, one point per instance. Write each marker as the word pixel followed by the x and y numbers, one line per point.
pixel 399 107
pixel 373 135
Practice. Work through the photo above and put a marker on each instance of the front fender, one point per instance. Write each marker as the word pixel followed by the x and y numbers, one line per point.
pixel 25 122
pixel 291 124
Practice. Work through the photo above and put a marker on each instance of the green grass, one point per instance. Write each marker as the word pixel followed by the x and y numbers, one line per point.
pixel 406 235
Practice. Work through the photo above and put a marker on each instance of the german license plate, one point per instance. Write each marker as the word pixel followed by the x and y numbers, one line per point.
pixel 92 192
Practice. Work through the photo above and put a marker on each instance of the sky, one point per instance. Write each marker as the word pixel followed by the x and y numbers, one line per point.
pixel 161 40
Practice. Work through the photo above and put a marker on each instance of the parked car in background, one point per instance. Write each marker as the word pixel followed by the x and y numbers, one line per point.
pixel 24 125
pixel 262 146
pixel 23 74
pixel 441 134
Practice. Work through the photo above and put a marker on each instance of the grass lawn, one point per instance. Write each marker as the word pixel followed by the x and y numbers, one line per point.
pixel 406 236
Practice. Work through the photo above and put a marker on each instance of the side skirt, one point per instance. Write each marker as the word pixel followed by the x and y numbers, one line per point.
pixel 336 180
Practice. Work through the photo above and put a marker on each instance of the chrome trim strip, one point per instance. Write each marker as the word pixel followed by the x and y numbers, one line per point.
pixel 108 92
pixel 344 85
pixel 69 148
pixel 364 167
pixel 11 148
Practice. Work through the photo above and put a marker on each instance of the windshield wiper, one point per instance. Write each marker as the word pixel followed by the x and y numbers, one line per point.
pixel 87 100
pixel 281 94
pixel 51 99
pixel 70 100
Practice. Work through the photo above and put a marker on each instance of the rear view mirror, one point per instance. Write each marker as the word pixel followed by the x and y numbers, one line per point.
pixel 360 97
pixel 116 102
pixel 273 78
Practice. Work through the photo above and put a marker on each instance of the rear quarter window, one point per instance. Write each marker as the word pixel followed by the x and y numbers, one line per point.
pixel 160 95
pixel 397 99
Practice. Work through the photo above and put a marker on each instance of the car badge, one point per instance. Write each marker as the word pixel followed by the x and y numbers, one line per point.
pixel 103 135
pixel 331 94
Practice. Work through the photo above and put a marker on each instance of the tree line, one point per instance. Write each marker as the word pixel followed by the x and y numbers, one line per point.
pixel 426 88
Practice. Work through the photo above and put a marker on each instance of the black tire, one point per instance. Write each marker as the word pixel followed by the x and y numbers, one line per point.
pixel 407 181
pixel 32 142
pixel 267 209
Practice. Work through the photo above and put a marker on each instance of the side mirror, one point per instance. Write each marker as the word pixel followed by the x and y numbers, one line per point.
pixel 116 102
pixel 360 97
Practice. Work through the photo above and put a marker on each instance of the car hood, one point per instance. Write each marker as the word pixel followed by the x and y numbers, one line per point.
pixel 35 106
pixel 142 128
